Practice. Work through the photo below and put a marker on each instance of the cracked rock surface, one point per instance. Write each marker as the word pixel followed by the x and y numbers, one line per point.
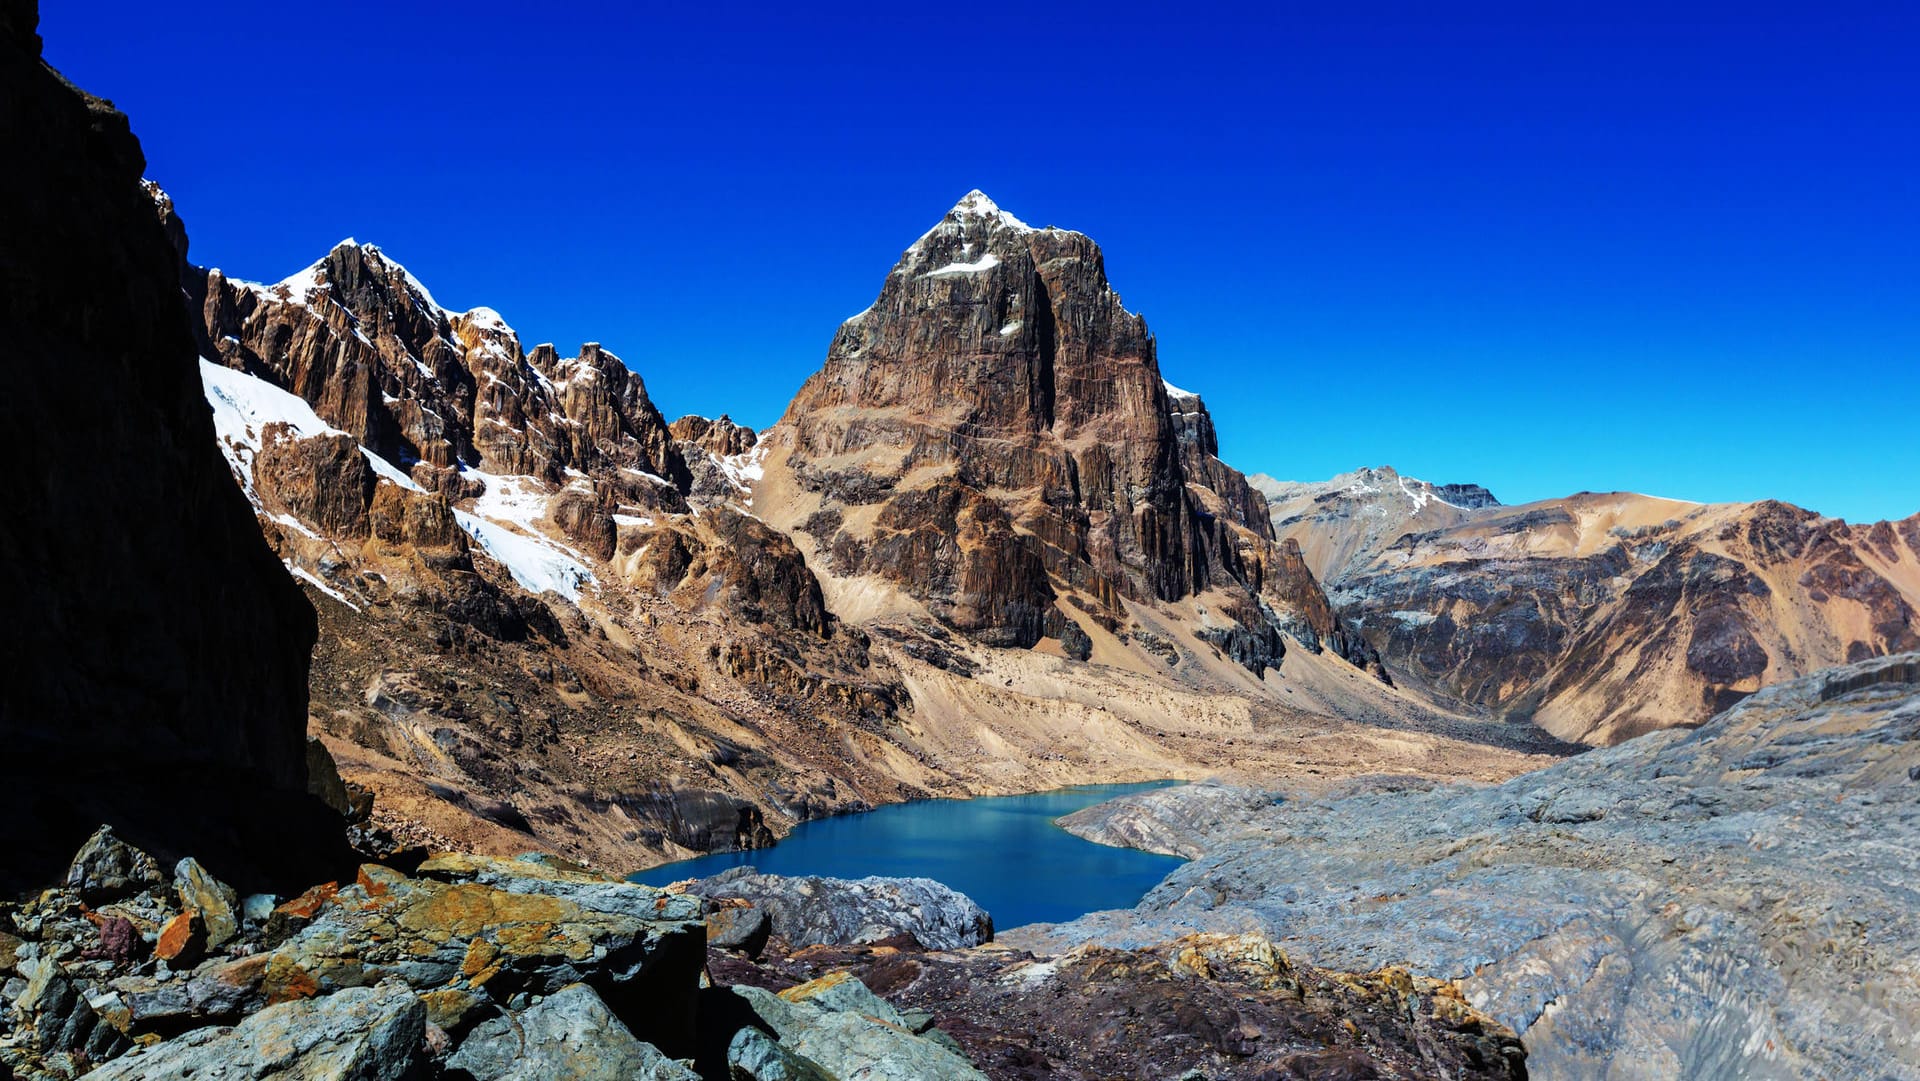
pixel 1736 901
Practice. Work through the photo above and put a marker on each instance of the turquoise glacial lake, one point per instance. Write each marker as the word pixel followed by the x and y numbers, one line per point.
pixel 1002 851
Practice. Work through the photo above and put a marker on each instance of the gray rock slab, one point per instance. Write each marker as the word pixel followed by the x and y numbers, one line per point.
pixel 570 1035
pixel 813 911
pixel 360 1034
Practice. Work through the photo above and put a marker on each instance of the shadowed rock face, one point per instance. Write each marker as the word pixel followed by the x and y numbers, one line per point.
pixel 151 637
pixel 994 435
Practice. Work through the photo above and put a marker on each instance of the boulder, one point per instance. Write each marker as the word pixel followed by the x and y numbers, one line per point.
pixel 849 1032
pixel 107 868
pixel 58 1018
pixel 433 933
pixel 182 941
pixel 739 926
pixel 567 1036
pixel 215 901
pixel 755 1056
pixel 640 948
pixel 814 911
pixel 119 941
pixel 359 1034
pixel 218 991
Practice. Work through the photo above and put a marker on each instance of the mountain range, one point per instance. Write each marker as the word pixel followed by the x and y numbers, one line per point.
pixel 988 548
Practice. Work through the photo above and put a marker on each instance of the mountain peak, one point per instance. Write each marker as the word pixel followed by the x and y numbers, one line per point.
pixel 320 274
pixel 973 210
pixel 976 204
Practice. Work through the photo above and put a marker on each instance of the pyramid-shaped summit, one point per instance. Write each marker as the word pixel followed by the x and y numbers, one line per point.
pixel 1008 415
pixel 976 204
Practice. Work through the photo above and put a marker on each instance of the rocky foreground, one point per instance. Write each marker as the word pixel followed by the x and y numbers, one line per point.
pixel 1742 900
pixel 490 969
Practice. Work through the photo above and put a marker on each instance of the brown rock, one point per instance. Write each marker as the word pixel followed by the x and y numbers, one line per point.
pixel 722 437
pixel 183 940
pixel 324 481
pixel 9 952
pixel 290 916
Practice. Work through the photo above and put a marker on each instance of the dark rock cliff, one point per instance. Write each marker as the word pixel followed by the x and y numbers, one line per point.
pixel 155 653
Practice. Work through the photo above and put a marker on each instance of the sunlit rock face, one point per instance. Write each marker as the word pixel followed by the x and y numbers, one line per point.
pixel 995 439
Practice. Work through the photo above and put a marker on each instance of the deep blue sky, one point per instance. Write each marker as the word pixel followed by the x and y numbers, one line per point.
pixel 1547 247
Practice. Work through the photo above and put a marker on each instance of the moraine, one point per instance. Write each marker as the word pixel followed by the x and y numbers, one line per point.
pixel 1003 851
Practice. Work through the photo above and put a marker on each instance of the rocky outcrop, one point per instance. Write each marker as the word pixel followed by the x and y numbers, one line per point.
pixel 720 438
pixel 720 458
pixel 815 911
pixel 1210 1005
pixel 150 635
pixel 1701 904
pixel 366 345
pixel 1172 822
pixel 839 1028
pixel 473 968
pixel 569 1035
pixel 360 1034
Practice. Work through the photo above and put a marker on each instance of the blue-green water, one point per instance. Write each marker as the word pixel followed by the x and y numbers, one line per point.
pixel 1002 851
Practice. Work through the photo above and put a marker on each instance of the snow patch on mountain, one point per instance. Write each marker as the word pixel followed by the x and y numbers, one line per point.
pixel 539 565
pixel 985 262
pixel 243 406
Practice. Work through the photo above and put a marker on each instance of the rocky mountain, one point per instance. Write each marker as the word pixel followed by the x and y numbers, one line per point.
pixel 987 549
pixel 1734 901
pixel 152 644
pixel 549 615
pixel 1602 615
pixel 1342 522
pixel 527 628
pixel 991 443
